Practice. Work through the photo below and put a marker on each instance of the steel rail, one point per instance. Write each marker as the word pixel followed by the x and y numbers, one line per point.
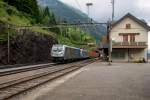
pixel 6 92
pixel 23 69
pixel 20 65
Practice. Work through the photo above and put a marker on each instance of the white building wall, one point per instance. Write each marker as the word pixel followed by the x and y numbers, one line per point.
pixel 135 28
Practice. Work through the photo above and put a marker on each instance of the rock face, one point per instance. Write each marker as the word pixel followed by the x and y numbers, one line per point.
pixel 28 47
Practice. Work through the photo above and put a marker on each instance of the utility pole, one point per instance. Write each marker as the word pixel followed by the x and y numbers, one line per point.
pixel 8 45
pixel 60 28
pixel 109 32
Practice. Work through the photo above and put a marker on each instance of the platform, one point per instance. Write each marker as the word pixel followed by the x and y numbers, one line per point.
pixel 98 81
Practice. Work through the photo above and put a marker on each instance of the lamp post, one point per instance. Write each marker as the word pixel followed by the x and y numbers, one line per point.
pixel 113 9
pixel 88 10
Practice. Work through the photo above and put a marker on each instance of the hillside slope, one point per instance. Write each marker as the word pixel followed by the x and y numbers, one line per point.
pixel 11 15
pixel 72 15
pixel 33 44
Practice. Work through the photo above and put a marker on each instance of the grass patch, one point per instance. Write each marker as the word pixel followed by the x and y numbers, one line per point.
pixel 43 31
pixel 11 15
pixel 70 42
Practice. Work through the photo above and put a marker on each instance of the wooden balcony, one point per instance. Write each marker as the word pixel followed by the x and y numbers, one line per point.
pixel 129 45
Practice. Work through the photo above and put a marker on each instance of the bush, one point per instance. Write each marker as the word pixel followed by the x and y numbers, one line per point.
pixel 10 11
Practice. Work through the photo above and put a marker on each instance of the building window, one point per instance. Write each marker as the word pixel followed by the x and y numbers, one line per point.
pixel 128 26
pixel 132 38
pixel 125 38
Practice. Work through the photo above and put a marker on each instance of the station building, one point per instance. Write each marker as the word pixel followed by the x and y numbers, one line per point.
pixel 129 39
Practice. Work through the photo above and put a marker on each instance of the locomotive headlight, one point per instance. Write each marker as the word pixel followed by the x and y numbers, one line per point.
pixel 61 53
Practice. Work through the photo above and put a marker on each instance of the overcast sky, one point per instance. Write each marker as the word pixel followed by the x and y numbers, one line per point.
pixel 101 9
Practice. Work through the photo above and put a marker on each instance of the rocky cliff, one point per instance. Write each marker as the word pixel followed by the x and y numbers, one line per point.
pixel 27 47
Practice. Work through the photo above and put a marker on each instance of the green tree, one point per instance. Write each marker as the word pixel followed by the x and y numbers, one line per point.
pixel 46 12
pixel 47 17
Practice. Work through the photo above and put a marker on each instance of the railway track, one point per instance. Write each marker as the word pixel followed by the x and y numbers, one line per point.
pixel 15 87
pixel 9 71
pixel 19 65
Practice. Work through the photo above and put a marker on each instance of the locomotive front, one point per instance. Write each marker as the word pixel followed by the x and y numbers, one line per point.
pixel 57 52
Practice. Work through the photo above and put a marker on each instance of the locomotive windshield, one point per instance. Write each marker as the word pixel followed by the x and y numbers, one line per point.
pixel 57 49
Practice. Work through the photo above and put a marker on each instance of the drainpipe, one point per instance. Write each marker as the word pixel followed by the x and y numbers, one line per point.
pixel 128 56
pixel 147 55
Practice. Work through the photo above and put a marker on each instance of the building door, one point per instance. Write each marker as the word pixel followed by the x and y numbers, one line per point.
pixel 132 38
pixel 125 38
pixel 118 54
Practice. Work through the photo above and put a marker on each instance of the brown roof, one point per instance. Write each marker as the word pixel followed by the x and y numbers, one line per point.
pixel 128 15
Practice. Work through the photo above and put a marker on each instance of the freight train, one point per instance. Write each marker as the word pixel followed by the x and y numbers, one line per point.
pixel 61 53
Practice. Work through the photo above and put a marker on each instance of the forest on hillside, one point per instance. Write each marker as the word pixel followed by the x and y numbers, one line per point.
pixel 28 12
pixel 26 45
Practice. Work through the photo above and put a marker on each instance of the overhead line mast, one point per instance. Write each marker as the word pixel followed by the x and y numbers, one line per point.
pixel 113 9
pixel 109 30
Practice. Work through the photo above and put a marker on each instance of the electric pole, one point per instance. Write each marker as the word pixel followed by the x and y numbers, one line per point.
pixel 109 32
pixel 8 45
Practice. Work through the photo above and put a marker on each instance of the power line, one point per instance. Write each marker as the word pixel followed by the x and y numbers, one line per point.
pixel 77 2
pixel 57 25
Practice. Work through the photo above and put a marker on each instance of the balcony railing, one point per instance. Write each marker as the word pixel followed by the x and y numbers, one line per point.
pixel 129 44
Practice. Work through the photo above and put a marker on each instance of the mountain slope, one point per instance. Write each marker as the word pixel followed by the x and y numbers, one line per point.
pixel 72 15
pixel 63 11
pixel 27 43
